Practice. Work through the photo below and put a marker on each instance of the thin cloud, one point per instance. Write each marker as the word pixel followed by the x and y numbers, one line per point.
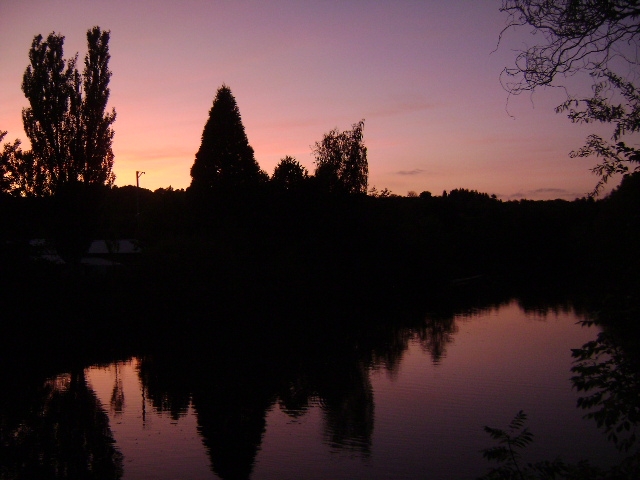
pixel 293 123
pixel 390 110
pixel 417 171
pixel 544 194
pixel 551 191
pixel 402 108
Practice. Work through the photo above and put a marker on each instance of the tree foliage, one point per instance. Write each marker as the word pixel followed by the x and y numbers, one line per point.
pixel 289 174
pixel 225 158
pixel 608 379
pixel 511 466
pixel 70 133
pixel 94 149
pixel 19 174
pixel 509 441
pixel 594 36
pixel 341 160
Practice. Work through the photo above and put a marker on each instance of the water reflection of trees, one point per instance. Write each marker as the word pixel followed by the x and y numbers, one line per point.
pixel 230 400
pixel 231 412
pixel 232 373
pixel 346 397
pixel 608 378
pixel 167 390
pixel 56 429
pixel 117 393
pixel 435 335
pixel 235 375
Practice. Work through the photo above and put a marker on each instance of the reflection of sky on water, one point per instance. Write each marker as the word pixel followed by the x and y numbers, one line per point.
pixel 153 444
pixel 428 416
pixel 499 362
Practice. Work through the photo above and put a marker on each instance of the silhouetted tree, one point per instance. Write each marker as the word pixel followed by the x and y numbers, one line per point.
pixel 341 160
pixel 593 37
pixel 94 146
pixel 607 378
pixel 225 158
pixel 384 193
pixel 19 174
pixel 289 174
pixel 71 156
pixel 70 133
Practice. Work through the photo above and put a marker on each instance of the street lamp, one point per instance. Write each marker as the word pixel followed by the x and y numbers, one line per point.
pixel 138 175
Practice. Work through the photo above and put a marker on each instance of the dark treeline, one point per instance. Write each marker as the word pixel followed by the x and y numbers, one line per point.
pixel 268 246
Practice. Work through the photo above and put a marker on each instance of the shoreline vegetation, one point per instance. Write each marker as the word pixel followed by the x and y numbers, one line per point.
pixel 268 253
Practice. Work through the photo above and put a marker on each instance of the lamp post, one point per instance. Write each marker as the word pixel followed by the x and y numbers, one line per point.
pixel 138 175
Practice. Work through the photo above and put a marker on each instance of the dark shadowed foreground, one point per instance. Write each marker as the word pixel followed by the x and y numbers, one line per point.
pixel 292 302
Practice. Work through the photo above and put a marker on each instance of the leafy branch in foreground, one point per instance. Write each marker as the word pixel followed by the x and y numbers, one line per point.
pixel 611 387
pixel 507 454
pixel 510 442
pixel 593 37
pixel 617 158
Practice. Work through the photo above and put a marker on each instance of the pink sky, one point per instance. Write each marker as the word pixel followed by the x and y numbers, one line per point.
pixel 422 75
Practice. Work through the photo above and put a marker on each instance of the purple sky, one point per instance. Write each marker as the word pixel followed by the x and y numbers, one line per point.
pixel 421 73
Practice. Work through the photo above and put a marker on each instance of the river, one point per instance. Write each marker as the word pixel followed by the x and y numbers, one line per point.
pixel 398 402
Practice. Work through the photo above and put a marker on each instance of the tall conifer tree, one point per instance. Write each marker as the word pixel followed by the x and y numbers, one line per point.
pixel 225 158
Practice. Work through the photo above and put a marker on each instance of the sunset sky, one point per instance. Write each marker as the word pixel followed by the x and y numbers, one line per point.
pixel 423 74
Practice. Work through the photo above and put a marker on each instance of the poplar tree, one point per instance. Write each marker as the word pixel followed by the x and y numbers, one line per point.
pixel 70 133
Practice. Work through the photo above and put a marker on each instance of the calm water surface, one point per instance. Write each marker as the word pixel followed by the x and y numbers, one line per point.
pixel 412 406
